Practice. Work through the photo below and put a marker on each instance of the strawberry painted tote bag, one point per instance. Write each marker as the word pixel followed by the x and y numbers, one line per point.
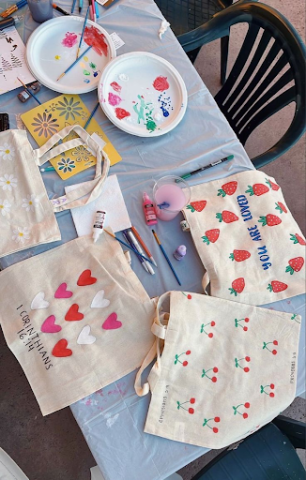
pixel 76 318
pixel 26 213
pixel 248 241
pixel 223 369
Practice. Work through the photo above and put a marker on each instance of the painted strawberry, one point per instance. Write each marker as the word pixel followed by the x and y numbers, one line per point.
pixel 257 189
pixel 297 239
pixel 295 265
pixel 281 207
pixel 272 185
pixel 276 286
pixel 270 220
pixel 197 206
pixel 227 217
pixel 211 236
pixel 237 286
pixel 228 189
pixel 240 255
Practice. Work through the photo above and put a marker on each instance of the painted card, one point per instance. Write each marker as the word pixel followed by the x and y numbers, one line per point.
pixel 58 113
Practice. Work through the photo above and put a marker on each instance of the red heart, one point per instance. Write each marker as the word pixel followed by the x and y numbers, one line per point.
pixel 73 313
pixel 60 349
pixel 86 279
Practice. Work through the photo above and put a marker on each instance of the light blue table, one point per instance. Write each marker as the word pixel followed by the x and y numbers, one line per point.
pixel 112 419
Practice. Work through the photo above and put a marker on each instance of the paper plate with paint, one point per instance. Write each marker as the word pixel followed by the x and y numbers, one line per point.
pixel 53 47
pixel 142 94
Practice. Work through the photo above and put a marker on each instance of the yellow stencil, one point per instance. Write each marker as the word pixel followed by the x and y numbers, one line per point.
pixel 51 117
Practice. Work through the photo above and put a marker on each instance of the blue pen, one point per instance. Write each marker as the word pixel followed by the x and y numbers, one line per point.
pixel 83 30
pixel 124 233
pixel 80 5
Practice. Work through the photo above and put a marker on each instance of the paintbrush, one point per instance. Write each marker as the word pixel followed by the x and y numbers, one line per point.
pixel 13 8
pixel 74 63
pixel 126 245
pixel 166 256
pixel 83 30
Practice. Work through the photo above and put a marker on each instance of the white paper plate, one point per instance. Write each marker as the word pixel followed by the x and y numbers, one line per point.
pixel 142 94
pixel 52 47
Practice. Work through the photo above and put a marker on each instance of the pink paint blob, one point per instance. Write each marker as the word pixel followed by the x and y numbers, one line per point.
pixel 113 99
pixel 116 86
pixel 121 113
pixel 161 84
pixel 70 39
pixel 92 36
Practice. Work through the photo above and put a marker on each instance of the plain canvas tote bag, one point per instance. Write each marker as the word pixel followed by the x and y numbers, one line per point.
pixel 225 369
pixel 248 241
pixel 26 213
pixel 76 318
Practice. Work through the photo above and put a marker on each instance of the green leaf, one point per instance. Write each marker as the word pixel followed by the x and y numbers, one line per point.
pixel 232 290
pixel 290 270
pixel 221 192
pixel 231 256
pixel 219 217
pixel 205 240
pixel 269 287
pixel 263 220
pixel 250 190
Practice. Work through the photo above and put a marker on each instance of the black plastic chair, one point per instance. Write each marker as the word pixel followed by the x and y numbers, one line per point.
pixel 186 15
pixel 268 454
pixel 250 100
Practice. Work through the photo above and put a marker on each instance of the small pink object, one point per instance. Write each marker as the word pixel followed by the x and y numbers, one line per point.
pixel 149 210
pixel 111 323
pixel 62 291
pixel 49 325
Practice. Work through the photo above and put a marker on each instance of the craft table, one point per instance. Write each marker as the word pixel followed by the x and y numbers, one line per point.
pixel 112 419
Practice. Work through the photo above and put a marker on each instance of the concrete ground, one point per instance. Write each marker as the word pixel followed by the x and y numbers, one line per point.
pixel 53 448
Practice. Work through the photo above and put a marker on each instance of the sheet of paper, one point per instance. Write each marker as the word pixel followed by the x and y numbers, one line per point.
pixel 51 117
pixel 111 201
pixel 118 42
pixel 12 62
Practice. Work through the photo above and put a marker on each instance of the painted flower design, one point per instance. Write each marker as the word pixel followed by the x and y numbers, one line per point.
pixel 45 124
pixel 21 234
pixel 7 182
pixel 30 203
pixel 4 207
pixel 81 154
pixel 69 108
pixel 66 165
pixel 7 152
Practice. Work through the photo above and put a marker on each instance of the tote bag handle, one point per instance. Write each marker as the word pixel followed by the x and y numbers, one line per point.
pixel 91 189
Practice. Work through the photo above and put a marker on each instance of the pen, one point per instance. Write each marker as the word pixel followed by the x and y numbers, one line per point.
pixel 59 9
pixel 91 10
pixel 73 5
pixel 141 260
pixel 213 164
pixel 133 239
pixel 74 63
pixel 125 244
pixel 147 251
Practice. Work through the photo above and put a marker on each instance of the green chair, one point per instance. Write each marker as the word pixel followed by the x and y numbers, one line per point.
pixel 186 15
pixel 268 454
pixel 250 99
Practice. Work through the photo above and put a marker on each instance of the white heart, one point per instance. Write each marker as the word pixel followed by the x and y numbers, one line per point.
pixel 39 301
pixel 99 301
pixel 85 338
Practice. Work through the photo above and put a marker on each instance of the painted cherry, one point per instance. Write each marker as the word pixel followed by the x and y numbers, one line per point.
pixel 245 329
pixel 247 405
pixel 272 386
pixel 191 410
pixel 217 419
pixel 214 379
pixel 192 400
pixel 275 342
pixel 189 297
pixel 271 394
pixel 210 335
pixel 188 352
pixel 185 363
pixel 215 430
pixel 274 352
pixel 246 369
pixel 215 370
pixel 246 320
pixel 213 323
pixel 247 359
pixel 245 415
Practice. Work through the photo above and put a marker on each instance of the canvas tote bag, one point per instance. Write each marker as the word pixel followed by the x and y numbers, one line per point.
pixel 248 241
pixel 76 318
pixel 26 213
pixel 225 369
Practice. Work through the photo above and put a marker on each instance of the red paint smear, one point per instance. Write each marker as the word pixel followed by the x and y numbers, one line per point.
pixel 116 86
pixel 161 84
pixel 121 113
pixel 92 36
pixel 70 39
pixel 113 99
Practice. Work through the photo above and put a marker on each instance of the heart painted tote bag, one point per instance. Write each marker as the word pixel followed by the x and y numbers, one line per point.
pixel 26 213
pixel 76 318
pixel 248 241
pixel 223 369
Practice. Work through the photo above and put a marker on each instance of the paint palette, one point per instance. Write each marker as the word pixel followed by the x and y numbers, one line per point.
pixel 53 46
pixel 142 94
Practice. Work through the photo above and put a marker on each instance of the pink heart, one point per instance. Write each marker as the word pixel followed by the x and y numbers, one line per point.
pixel 111 323
pixel 49 325
pixel 62 291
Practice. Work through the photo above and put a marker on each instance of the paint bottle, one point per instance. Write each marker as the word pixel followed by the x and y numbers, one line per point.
pixel 185 226
pixel 41 10
pixel 98 225
pixel 180 253
pixel 148 210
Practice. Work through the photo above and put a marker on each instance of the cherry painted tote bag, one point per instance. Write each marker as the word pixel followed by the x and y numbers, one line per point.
pixel 225 369
pixel 26 213
pixel 247 239
pixel 76 318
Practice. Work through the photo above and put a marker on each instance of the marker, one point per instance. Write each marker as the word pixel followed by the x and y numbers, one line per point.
pixel 141 260
pixel 213 164
pixel 74 63
pixel 125 244
pixel 140 240
pixel 59 9
pixel 80 5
